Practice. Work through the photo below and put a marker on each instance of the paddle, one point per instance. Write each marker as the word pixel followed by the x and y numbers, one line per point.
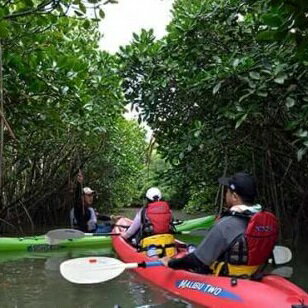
pixel 54 236
pixel 284 271
pixel 281 254
pixel 100 269
pixel 97 269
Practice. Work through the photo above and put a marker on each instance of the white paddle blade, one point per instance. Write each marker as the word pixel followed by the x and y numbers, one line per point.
pixel 284 271
pixel 64 234
pixel 282 254
pixel 52 241
pixel 91 269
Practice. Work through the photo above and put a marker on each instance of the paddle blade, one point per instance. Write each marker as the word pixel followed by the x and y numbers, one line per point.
pixel 64 234
pixel 91 269
pixel 282 254
pixel 284 271
pixel 52 241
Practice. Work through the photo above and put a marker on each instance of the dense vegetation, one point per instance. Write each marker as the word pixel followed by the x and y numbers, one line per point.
pixel 225 90
pixel 63 102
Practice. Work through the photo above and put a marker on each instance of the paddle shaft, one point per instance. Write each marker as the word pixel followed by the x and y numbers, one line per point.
pixel 109 234
pixel 101 234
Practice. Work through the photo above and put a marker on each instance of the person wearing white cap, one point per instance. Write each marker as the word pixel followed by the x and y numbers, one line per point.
pixel 154 218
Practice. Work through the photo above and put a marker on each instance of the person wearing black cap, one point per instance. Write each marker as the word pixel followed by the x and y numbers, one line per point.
pixel 239 198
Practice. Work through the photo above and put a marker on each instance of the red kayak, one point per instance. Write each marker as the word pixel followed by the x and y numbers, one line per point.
pixel 209 290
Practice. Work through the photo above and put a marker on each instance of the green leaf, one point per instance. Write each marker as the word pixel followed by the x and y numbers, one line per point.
pixel 245 95
pixel 254 75
pixel 290 102
pixel 262 93
pixel 302 133
pixel 217 87
pixel 29 3
pixel 78 13
pixel 300 153
pixel 280 79
pixel 135 36
pixel 82 8
pixel 241 120
pixel 236 62
pixel 86 24
pixel 101 14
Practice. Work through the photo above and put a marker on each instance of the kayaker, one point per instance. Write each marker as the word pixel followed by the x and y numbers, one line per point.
pixel 225 244
pixel 83 216
pixel 155 218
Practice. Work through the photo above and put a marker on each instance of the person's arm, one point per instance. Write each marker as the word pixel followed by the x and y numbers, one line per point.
pixel 79 211
pixel 134 227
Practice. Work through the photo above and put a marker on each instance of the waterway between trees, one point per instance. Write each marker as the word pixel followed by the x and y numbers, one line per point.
pixel 33 280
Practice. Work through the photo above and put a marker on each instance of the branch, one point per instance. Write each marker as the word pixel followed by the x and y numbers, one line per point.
pixel 7 126
pixel 39 8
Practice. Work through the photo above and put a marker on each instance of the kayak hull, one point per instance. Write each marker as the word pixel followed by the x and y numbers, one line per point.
pixel 211 291
pixel 40 244
pixel 196 224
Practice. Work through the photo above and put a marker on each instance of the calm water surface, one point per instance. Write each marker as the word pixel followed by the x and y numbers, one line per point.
pixel 33 280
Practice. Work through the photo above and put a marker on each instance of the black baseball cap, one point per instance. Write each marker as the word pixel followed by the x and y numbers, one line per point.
pixel 242 183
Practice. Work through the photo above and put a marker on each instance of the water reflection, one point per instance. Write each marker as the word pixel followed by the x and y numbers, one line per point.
pixel 34 280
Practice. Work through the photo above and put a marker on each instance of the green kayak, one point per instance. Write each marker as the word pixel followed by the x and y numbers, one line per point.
pixel 40 244
pixel 197 223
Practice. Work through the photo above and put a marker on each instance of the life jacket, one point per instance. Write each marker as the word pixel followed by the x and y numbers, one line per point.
pixel 156 218
pixel 252 249
pixel 158 245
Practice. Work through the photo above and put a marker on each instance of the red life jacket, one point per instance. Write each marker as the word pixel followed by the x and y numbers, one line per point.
pixel 255 246
pixel 261 236
pixel 157 218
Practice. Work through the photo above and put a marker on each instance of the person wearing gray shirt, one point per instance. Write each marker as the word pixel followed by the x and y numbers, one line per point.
pixel 239 198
